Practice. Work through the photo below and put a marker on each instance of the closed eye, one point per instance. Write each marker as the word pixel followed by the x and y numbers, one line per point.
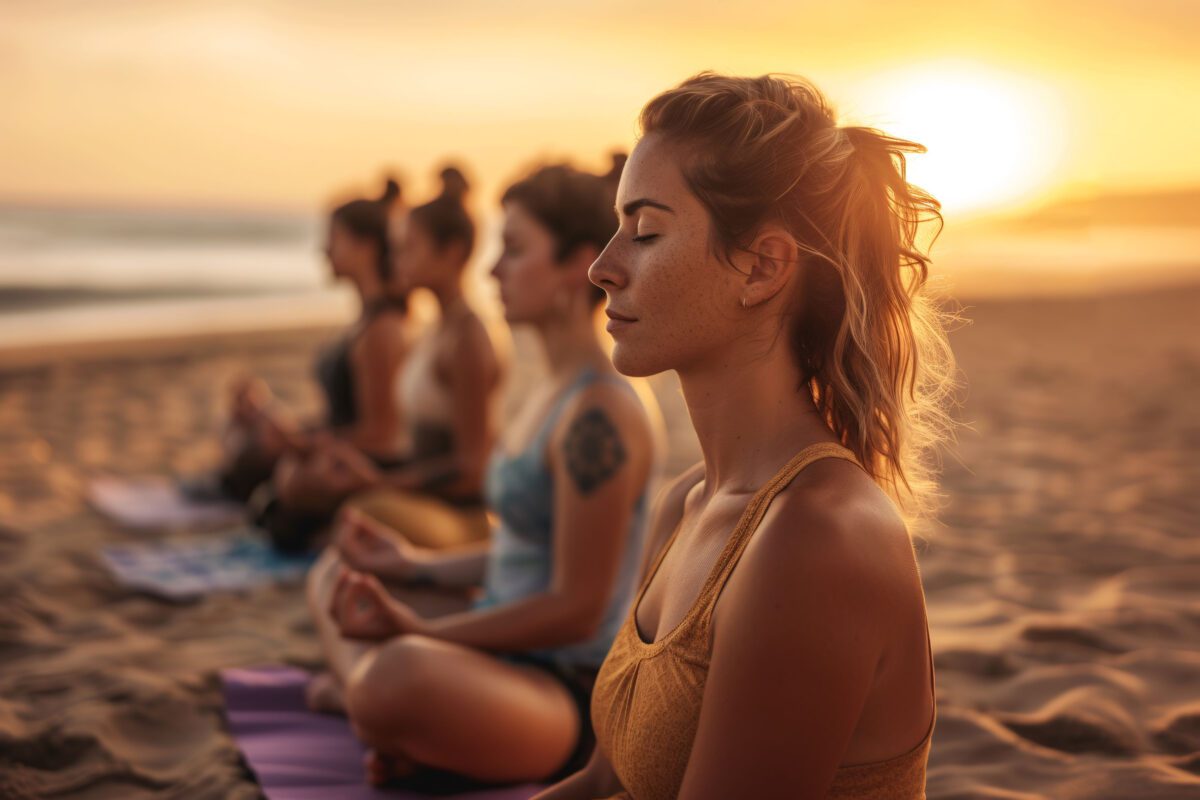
pixel 647 237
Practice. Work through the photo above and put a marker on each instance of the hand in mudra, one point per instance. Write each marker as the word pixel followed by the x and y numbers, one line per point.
pixel 367 546
pixel 363 609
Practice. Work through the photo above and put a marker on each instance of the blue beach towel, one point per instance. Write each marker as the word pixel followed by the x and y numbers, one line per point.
pixel 183 569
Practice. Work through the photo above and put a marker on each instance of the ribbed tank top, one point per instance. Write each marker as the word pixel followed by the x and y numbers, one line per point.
pixel 646 701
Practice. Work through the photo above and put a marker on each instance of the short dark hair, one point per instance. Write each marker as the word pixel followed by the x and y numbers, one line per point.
pixel 575 206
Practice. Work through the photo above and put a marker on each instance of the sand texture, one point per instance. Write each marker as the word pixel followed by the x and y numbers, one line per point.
pixel 1062 585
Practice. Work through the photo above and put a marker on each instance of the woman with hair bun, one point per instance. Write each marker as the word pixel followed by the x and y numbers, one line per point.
pixel 479 662
pixel 446 392
pixel 779 645
pixel 355 373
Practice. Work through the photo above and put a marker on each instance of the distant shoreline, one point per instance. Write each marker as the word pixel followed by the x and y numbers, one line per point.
pixel 259 332
pixel 25 356
pixel 154 322
pixel 35 297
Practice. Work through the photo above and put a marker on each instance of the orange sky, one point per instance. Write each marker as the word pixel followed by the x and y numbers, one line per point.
pixel 283 104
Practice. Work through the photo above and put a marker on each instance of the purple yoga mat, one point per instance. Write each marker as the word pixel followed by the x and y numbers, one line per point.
pixel 299 755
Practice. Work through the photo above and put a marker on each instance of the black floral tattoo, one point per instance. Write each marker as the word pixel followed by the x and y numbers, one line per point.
pixel 593 449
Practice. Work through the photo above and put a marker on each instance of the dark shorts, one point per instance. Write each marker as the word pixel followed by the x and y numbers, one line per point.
pixel 578 682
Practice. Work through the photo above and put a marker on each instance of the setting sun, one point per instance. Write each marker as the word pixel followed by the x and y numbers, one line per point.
pixel 993 139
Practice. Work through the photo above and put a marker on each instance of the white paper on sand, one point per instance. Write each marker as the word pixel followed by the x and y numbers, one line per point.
pixel 156 502
pixel 182 569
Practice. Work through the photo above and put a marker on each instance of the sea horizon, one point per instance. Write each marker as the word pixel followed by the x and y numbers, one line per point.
pixel 77 273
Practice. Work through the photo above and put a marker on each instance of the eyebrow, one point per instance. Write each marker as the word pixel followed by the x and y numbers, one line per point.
pixel 633 206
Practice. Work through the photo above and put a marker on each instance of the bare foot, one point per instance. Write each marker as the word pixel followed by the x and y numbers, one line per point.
pixel 324 694
pixel 382 769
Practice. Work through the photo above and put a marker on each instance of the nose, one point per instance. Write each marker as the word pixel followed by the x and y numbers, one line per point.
pixel 606 271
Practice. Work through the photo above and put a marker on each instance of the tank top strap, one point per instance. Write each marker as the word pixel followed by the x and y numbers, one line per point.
pixel 756 509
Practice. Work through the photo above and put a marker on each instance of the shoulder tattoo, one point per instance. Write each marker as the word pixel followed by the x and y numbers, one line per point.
pixel 593 450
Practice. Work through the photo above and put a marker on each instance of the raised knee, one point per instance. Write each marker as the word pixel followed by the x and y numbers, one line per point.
pixel 386 689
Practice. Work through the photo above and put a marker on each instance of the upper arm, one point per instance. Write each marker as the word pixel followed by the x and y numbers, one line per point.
pixel 471 372
pixel 600 455
pixel 377 356
pixel 800 636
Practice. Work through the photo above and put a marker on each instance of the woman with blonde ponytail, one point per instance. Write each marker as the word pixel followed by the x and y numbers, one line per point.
pixel 779 644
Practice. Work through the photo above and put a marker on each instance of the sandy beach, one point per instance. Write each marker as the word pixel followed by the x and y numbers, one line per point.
pixel 1061 582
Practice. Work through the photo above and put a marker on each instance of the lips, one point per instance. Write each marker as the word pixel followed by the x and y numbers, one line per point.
pixel 617 321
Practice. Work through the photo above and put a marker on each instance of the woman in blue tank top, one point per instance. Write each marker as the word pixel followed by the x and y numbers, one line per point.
pixel 484 673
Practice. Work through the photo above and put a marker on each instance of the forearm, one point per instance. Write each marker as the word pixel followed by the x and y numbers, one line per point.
pixel 459 568
pixel 426 475
pixel 541 621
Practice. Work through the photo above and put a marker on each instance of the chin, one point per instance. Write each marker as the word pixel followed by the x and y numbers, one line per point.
pixel 629 362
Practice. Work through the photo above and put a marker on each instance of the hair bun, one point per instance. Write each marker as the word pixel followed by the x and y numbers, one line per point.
pixel 619 157
pixel 454 183
pixel 391 192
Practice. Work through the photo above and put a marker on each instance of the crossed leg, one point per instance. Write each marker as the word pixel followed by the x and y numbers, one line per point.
pixel 424 701
pixel 421 701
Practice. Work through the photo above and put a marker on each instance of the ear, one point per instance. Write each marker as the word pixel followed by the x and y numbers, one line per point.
pixel 768 264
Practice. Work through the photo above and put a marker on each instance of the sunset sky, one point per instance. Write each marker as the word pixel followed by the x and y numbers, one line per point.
pixel 286 104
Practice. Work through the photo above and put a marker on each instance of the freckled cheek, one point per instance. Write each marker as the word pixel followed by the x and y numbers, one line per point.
pixel 676 300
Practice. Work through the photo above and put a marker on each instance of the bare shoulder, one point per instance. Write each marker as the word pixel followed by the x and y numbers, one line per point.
pixel 610 403
pixel 383 335
pixel 467 347
pixel 832 542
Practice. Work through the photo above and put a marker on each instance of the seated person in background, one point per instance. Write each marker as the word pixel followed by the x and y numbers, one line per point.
pixel 355 373
pixel 446 392
pixel 438 679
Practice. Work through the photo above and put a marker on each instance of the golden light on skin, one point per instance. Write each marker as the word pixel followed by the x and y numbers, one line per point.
pixel 994 140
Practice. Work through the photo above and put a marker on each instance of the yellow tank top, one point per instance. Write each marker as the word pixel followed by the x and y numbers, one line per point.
pixel 646 701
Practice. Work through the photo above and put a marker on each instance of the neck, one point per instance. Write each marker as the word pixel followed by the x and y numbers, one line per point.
pixel 370 289
pixel 448 294
pixel 749 416
pixel 569 340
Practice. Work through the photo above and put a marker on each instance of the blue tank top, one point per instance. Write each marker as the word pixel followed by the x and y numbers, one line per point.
pixel 520 490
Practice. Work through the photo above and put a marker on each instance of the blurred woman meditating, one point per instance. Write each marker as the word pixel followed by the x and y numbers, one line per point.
pixel 446 393
pixel 495 686
pixel 355 373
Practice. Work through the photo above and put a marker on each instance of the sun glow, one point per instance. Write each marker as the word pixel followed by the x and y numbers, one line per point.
pixel 994 140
